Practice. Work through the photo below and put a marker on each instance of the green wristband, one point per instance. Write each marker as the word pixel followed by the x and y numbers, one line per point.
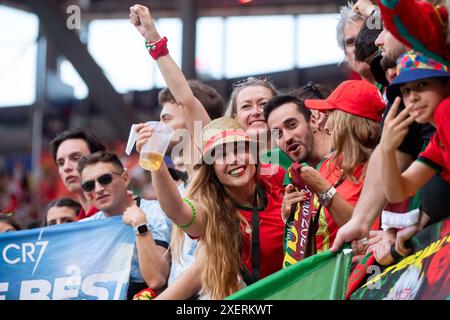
pixel 150 46
pixel 194 214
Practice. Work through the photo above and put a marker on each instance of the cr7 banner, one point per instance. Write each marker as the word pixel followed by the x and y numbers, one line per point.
pixel 75 261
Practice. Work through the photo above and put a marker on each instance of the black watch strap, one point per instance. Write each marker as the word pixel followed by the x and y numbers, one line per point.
pixel 141 229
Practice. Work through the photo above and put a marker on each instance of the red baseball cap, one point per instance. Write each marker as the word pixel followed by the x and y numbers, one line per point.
pixel 358 97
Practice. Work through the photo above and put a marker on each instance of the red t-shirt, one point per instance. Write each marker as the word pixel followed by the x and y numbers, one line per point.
pixel 82 214
pixel 271 227
pixel 348 190
pixel 436 155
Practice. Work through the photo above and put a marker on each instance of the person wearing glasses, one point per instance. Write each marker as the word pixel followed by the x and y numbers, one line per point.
pixel 63 210
pixel 67 148
pixel 105 181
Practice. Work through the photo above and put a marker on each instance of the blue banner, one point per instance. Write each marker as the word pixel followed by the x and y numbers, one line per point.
pixel 75 261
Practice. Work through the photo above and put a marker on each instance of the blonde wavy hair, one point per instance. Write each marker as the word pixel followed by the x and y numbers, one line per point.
pixel 220 247
pixel 231 110
pixel 354 139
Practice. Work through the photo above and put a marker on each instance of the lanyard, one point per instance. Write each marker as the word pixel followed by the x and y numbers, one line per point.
pixel 248 277
pixel 255 237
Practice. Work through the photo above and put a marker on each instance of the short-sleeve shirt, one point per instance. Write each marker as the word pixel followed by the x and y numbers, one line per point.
pixel 437 155
pixel 271 227
pixel 159 225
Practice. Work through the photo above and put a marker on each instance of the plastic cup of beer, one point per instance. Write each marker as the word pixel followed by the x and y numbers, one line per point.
pixel 153 151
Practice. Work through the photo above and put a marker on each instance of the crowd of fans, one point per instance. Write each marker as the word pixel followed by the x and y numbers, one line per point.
pixel 212 218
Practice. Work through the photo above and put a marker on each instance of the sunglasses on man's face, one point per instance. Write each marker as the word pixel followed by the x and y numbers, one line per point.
pixel 104 180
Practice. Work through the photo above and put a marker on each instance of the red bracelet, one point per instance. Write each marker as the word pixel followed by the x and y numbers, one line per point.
pixel 157 49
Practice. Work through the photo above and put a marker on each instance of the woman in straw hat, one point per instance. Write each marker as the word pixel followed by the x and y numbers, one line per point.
pixel 232 208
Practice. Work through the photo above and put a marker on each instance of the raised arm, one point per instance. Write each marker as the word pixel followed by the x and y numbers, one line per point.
pixel 364 7
pixel 371 201
pixel 192 108
pixel 179 211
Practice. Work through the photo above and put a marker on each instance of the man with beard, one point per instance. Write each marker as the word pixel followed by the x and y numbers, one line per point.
pixel 421 25
pixel 298 131
pixel 372 200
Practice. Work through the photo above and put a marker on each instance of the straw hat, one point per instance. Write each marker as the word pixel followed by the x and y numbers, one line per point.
pixel 222 131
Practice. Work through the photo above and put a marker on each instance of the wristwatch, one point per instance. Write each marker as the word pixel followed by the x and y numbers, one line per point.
pixel 326 196
pixel 141 229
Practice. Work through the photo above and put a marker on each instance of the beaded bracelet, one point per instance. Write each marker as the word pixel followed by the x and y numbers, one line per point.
pixel 157 49
pixel 194 214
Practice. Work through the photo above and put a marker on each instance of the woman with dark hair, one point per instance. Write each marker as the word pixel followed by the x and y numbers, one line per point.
pixel 8 224
pixel 63 210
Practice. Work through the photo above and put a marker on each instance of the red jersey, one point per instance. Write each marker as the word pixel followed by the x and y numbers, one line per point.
pixel 348 190
pixel 436 155
pixel 271 227
pixel 82 214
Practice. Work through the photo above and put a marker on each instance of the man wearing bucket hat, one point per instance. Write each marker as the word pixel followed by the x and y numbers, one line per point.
pixel 424 85
pixel 227 201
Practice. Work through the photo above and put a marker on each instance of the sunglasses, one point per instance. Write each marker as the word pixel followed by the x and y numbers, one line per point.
pixel 104 180
pixel 240 83
pixel 312 87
